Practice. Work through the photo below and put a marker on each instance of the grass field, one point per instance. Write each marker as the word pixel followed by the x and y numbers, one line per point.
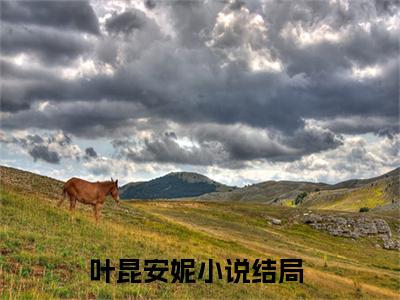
pixel 45 250
pixel 370 195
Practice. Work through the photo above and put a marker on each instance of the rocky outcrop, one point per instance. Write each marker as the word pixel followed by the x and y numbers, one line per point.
pixel 353 227
pixel 391 244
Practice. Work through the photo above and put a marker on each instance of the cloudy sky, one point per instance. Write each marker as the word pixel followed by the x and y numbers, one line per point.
pixel 241 91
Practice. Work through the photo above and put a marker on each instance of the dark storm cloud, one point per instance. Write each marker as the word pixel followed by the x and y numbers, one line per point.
pixel 365 46
pixel 171 134
pixel 87 119
pixel 22 141
pixel 11 71
pixel 49 45
pixel 11 99
pixel 35 139
pixel 76 15
pixel 150 4
pixel 246 144
pixel 242 143
pixel 195 71
pixel 389 132
pixel 386 126
pixel 90 152
pixel 165 149
pixel 126 22
pixel 48 148
pixel 228 146
pixel 20 93
pixel 62 139
pixel 387 6
pixel 237 4
pixel 312 140
pixel 193 20
pixel 357 48
pixel 43 153
pixel 218 95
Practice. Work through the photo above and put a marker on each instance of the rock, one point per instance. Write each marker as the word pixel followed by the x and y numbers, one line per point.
pixel 312 218
pixel 341 221
pixel 276 221
pixel 391 244
pixel 353 227
pixel 382 227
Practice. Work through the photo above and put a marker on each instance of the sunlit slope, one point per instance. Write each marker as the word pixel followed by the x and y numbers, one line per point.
pixel 30 183
pixel 273 192
pixel 382 194
pixel 45 251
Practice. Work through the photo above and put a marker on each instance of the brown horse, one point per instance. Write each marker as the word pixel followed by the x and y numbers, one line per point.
pixel 91 193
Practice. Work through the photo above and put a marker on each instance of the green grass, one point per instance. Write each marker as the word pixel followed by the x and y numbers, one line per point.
pixel 370 197
pixel 288 202
pixel 45 251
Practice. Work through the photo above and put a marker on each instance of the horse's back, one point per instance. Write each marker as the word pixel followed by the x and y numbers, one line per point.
pixel 84 191
pixel 76 180
pixel 77 184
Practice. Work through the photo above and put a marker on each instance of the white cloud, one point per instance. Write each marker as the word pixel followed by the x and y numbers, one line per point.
pixel 313 35
pixel 366 72
pixel 242 36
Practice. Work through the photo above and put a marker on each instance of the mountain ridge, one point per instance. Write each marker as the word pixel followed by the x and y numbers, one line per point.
pixel 173 185
pixel 380 192
pixel 377 193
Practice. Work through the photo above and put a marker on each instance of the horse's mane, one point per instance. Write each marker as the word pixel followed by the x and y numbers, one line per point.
pixel 106 184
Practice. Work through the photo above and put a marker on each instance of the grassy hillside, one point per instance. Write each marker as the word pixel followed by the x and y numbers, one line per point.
pixel 354 183
pixel 173 185
pixel 382 193
pixel 267 192
pixel 45 251
pixel 29 183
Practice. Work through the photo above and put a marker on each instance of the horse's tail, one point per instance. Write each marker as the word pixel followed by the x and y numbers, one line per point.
pixel 64 194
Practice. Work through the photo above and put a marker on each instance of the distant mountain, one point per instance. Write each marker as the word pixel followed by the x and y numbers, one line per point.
pixel 382 192
pixel 267 192
pixel 377 193
pixel 173 185
pixel 353 183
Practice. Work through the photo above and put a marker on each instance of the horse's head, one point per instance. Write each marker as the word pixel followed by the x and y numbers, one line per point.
pixel 115 191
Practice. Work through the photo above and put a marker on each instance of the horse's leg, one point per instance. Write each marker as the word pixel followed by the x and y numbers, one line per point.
pixel 62 199
pixel 94 210
pixel 72 204
pixel 59 203
pixel 97 211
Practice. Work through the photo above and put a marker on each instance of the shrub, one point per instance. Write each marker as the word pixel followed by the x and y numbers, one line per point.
pixel 364 209
pixel 300 197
